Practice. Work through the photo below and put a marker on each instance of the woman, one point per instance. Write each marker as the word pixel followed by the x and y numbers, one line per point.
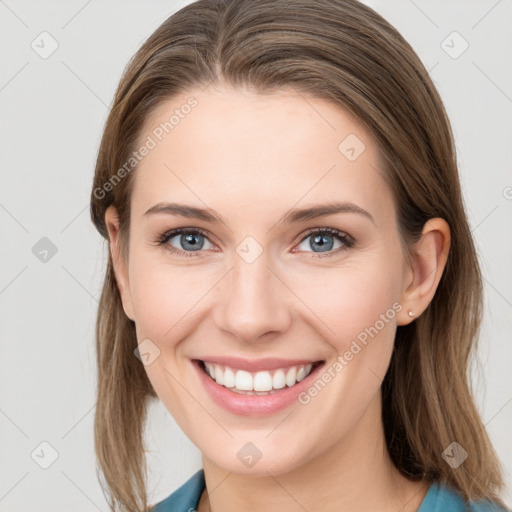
pixel 291 271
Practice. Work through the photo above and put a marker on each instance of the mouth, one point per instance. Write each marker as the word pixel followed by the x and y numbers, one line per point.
pixel 260 393
pixel 258 383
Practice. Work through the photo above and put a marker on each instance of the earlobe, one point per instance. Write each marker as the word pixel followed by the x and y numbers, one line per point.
pixel 119 263
pixel 429 257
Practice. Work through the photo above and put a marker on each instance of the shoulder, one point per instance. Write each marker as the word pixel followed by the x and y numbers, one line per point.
pixel 440 498
pixel 185 498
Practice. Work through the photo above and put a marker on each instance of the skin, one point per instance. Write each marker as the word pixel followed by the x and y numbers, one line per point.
pixel 251 158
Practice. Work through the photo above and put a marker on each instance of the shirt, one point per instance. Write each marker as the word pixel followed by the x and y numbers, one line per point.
pixel 439 498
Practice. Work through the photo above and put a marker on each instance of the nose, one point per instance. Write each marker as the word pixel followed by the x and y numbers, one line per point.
pixel 253 301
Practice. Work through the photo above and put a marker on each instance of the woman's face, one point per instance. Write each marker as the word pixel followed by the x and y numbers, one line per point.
pixel 258 282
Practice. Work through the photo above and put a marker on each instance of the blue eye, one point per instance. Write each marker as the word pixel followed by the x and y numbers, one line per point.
pixel 193 241
pixel 321 239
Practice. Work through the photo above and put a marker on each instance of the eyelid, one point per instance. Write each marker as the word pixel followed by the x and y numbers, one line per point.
pixel 347 241
pixel 171 233
pixel 331 231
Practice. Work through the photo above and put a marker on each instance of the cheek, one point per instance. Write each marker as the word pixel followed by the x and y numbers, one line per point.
pixel 355 312
pixel 348 301
pixel 166 298
pixel 166 301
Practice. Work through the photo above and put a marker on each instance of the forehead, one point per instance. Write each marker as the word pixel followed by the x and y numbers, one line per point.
pixel 226 147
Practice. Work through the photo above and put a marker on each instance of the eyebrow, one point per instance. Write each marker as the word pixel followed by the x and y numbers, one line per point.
pixel 290 217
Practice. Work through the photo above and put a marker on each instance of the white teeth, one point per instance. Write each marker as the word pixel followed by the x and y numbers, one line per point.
pixel 243 380
pixel 262 381
pixel 279 379
pixel 219 376
pixel 301 374
pixel 229 378
pixel 259 383
pixel 291 376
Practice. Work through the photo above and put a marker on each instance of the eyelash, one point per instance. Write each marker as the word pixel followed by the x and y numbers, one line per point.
pixel 348 241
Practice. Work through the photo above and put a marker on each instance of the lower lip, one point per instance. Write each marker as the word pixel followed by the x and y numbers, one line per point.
pixel 253 405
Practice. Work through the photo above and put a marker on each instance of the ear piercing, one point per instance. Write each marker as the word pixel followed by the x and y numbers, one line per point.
pixel 411 314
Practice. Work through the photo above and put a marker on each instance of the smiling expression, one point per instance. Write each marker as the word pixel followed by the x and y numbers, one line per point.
pixel 289 250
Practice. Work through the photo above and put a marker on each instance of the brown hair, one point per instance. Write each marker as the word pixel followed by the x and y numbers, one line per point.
pixel 342 51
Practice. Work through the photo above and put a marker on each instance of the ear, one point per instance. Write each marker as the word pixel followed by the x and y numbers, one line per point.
pixel 119 262
pixel 429 256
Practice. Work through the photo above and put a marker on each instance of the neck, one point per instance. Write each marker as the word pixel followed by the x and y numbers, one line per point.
pixel 355 474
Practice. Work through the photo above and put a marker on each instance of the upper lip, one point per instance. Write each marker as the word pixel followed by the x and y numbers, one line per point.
pixel 255 365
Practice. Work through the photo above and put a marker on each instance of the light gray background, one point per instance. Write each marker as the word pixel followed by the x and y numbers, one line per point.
pixel 52 115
